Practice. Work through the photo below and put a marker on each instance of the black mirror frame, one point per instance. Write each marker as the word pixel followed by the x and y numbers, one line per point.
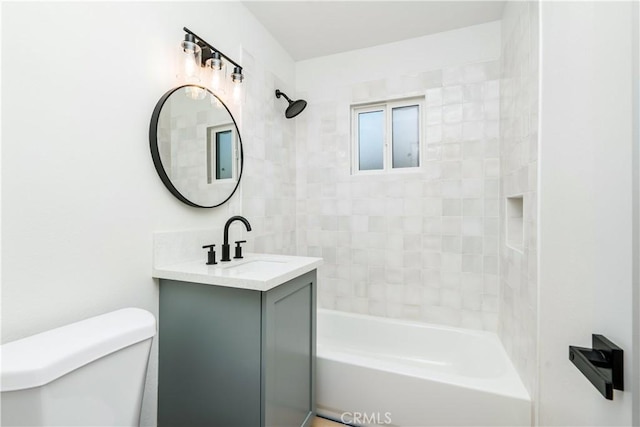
pixel 155 153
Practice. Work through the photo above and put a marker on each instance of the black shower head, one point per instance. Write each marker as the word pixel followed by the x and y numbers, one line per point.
pixel 294 108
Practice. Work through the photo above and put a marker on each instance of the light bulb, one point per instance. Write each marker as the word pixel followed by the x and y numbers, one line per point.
pixel 190 66
pixel 215 80
pixel 237 92
pixel 216 70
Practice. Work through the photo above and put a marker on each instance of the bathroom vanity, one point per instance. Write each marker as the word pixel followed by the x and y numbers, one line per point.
pixel 237 342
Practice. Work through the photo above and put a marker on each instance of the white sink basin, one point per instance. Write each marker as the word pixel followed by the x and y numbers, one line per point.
pixel 253 259
pixel 255 271
pixel 255 266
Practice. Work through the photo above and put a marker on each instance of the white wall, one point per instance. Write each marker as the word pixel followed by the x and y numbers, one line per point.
pixel 423 245
pixel 636 212
pixel 81 197
pixel 463 46
pixel 585 210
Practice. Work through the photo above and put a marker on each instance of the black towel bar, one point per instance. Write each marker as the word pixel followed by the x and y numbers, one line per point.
pixel 602 364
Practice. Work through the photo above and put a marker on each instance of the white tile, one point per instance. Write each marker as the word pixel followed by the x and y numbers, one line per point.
pixel 492 168
pixel 452 95
pixel 434 97
pixel 472 131
pixel 431 260
pixel 410 224
pixel 451 244
pixel 451 170
pixel 431 242
pixel 472 168
pixel 450 132
pixel 472 111
pixel 450 298
pixel 472 320
pixel 451 226
pixel 452 113
pixel 450 279
pixel 473 92
pixel 472 188
pixel 472 263
pixel 451 262
pixel 472 226
pixel 434 134
pixel 451 189
pixel 451 207
pixel 472 245
pixel 433 116
pixel 442 315
pixel 473 207
pixel 412 242
pixel 452 151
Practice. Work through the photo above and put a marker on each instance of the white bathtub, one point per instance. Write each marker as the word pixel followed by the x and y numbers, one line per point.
pixel 378 371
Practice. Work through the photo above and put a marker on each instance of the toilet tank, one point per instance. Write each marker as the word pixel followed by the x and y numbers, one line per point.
pixel 88 373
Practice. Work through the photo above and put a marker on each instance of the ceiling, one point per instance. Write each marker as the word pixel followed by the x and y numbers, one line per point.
pixel 308 29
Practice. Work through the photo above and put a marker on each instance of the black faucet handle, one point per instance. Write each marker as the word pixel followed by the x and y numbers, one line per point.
pixel 239 248
pixel 211 255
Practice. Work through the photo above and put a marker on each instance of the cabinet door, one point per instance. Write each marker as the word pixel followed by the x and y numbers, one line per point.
pixel 289 363
pixel 209 356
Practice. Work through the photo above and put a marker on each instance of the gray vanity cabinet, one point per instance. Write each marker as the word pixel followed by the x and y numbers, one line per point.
pixel 237 357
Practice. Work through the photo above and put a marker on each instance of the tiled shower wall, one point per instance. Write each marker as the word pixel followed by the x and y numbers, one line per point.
pixel 268 182
pixel 419 245
pixel 519 157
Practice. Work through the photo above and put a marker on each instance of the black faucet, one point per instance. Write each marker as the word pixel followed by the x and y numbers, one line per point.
pixel 225 246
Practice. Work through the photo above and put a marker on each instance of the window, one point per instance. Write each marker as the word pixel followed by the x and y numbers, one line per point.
pixel 387 135
pixel 221 153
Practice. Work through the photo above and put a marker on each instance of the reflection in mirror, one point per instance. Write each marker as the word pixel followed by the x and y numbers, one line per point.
pixel 196 146
pixel 220 153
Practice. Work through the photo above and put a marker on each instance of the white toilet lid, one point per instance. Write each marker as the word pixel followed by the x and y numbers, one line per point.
pixel 39 359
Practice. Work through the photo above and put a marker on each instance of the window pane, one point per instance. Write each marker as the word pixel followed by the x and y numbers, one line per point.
pixel 370 140
pixel 223 155
pixel 405 138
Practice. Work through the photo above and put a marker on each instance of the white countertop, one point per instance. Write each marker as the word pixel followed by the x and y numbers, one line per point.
pixel 258 272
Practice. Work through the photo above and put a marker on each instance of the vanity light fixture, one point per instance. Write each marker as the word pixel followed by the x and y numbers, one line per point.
pixel 197 55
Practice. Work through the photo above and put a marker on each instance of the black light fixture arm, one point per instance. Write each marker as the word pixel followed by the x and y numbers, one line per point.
pixel 212 49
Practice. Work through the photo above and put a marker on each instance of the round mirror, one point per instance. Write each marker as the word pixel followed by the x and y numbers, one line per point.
pixel 196 146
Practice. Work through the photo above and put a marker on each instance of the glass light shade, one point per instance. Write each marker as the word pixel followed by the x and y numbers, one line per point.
pixel 189 62
pixel 215 62
pixel 215 77
pixel 237 76
pixel 237 93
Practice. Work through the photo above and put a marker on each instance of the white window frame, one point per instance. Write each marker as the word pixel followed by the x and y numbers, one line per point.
pixel 211 153
pixel 387 156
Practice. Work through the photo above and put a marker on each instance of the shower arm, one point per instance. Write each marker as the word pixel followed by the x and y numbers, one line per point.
pixel 279 93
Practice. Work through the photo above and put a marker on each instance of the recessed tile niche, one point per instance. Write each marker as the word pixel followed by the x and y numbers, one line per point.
pixel 515 223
